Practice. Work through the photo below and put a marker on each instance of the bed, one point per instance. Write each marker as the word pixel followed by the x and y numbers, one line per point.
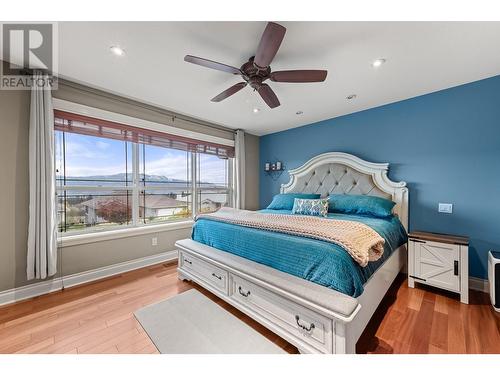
pixel 306 291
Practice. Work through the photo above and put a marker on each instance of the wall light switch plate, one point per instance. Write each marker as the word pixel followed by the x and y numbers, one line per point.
pixel 154 241
pixel 446 208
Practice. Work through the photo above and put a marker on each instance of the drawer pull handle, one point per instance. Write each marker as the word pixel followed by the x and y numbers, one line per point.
pixel 217 276
pixel 308 329
pixel 187 261
pixel 243 293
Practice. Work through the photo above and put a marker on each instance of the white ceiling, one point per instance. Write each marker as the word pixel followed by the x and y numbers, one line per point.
pixel 422 57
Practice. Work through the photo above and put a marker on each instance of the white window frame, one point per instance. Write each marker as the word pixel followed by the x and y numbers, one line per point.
pixel 136 225
pixel 230 190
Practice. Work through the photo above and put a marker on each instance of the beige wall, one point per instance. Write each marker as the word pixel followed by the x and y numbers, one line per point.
pixel 80 258
pixel 14 117
pixel 14 122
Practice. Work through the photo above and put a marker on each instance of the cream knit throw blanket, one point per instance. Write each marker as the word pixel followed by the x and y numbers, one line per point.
pixel 361 242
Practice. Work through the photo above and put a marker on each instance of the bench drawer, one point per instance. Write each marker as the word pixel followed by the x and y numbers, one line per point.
pixel 299 321
pixel 207 272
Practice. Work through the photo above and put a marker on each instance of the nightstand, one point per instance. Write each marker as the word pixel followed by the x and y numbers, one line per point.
pixel 439 260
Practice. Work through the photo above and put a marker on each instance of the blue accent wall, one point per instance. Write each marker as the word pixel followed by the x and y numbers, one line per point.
pixel 445 145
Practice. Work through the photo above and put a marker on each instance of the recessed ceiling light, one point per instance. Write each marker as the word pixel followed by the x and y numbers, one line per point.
pixel 352 96
pixel 116 50
pixel 256 110
pixel 299 112
pixel 377 63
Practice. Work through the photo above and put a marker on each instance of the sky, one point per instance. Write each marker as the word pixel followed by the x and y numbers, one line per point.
pixel 93 156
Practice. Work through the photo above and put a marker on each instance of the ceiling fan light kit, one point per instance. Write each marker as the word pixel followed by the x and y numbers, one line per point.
pixel 258 68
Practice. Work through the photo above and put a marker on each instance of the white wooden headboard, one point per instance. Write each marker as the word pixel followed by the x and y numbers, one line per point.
pixel 341 173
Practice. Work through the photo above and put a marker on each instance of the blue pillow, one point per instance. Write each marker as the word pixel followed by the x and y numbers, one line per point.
pixel 311 207
pixel 285 201
pixel 361 205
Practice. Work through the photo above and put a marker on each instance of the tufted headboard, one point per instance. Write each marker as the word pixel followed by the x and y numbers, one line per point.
pixel 341 173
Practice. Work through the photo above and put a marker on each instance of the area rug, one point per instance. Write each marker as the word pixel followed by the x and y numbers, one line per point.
pixel 191 323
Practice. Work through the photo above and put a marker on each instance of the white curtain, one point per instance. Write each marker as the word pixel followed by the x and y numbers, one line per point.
pixel 239 169
pixel 42 241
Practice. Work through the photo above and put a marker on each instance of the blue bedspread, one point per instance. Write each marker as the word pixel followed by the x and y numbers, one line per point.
pixel 318 261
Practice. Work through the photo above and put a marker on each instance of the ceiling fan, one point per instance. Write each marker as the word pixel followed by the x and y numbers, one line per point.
pixel 258 68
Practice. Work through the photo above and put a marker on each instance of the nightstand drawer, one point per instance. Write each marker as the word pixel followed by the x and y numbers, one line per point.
pixel 436 264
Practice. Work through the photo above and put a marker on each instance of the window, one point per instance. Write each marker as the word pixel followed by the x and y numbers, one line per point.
pixel 213 183
pixel 94 181
pixel 111 180
pixel 165 181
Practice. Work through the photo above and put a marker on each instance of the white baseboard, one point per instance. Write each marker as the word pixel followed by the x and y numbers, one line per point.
pixel 29 291
pixel 49 286
pixel 44 287
pixel 481 285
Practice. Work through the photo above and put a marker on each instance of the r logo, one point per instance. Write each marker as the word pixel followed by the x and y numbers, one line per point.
pixel 27 46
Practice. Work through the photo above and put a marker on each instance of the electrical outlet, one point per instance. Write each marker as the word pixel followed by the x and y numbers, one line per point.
pixel 154 241
pixel 446 208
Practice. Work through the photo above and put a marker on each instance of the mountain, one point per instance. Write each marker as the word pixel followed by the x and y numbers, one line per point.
pixel 122 177
pixel 119 179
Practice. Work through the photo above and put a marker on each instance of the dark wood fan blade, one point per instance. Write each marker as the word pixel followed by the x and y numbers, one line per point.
pixel 230 91
pixel 299 76
pixel 269 44
pixel 268 95
pixel 211 64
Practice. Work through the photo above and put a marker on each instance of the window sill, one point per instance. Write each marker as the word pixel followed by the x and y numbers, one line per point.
pixel 81 239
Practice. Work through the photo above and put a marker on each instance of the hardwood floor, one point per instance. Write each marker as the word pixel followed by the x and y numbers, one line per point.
pixel 429 320
pixel 98 318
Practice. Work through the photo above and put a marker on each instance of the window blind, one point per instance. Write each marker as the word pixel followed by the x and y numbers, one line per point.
pixel 85 125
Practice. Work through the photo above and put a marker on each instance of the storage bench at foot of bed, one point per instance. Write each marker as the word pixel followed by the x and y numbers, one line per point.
pixel 287 305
